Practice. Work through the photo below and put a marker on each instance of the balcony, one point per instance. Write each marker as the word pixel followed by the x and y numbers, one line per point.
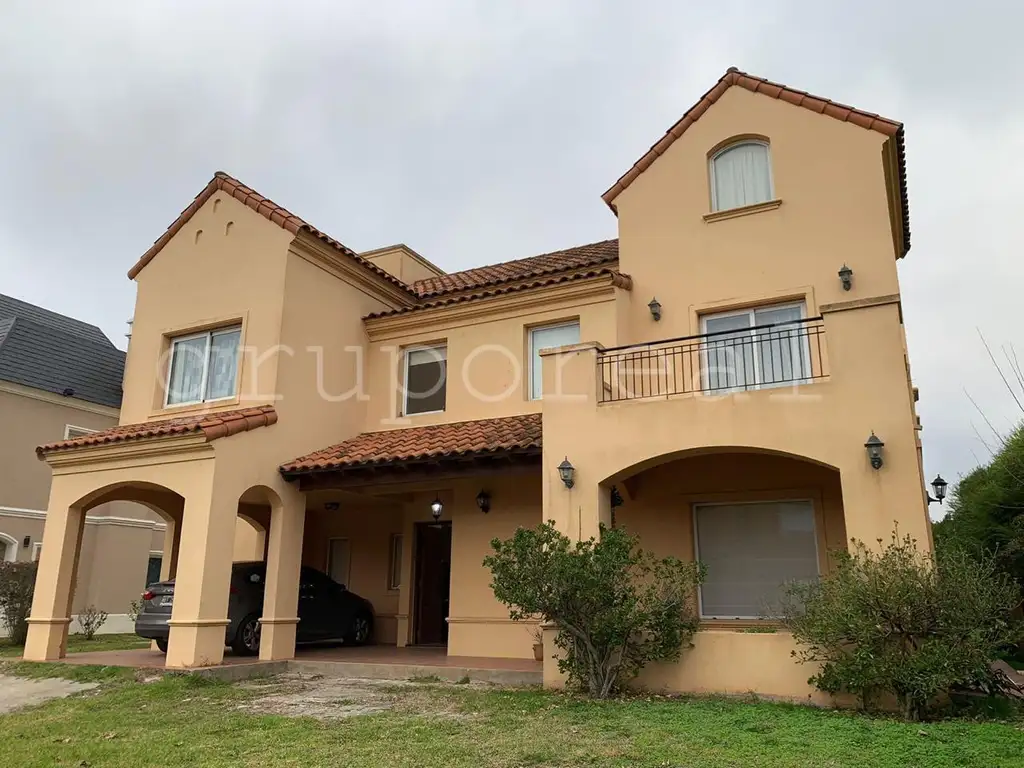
pixel 761 357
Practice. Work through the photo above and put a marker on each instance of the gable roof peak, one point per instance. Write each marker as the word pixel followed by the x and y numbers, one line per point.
pixel 736 77
pixel 269 210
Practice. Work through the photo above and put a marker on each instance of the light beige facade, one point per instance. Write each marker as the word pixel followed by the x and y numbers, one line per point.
pixel 119 538
pixel 635 399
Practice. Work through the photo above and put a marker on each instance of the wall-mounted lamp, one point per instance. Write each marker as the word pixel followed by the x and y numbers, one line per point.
pixel 26 542
pixel 846 277
pixel 616 498
pixel 483 500
pixel 875 446
pixel 332 506
pixel 436 508
pixel 655 306
pixel 566 471
pixel 939 489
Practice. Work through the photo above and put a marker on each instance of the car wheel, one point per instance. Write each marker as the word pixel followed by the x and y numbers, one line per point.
pixel 162 645
pixel 361 630
pixel 247 638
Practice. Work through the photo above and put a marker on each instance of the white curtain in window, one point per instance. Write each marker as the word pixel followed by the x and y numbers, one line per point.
pixel 220 381
pixel 751 551
pixel 185 383
pixel 741 176
pixel 543 338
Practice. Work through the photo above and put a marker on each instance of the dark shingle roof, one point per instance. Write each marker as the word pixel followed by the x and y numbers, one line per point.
pixel 55 353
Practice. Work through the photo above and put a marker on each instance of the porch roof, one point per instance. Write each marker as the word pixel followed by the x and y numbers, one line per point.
pixel 212 425
pixel 517 436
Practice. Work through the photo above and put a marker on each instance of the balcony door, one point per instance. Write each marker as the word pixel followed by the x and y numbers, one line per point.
pixel 754 348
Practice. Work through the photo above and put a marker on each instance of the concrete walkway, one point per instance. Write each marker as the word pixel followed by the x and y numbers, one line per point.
pixel 17 692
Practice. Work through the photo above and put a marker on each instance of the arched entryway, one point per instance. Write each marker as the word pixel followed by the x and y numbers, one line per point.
pixel 755 519
pixel 8 548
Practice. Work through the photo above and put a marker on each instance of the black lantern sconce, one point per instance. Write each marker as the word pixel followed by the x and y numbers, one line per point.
pixel 874 447
pixel 436 508
pixel 655 306
pixel 483 500
pixel 939 489
pixel 567 472
pixel 846 277
pixel 26 542
pixel 616 498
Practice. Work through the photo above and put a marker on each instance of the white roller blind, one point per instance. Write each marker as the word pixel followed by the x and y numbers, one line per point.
pixel 543 338
pixel 741 176
pixel 751 551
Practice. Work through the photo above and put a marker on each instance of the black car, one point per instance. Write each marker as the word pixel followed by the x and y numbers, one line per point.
pixel 327 611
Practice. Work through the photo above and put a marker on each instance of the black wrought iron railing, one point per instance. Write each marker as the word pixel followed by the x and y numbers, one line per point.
pixel 759 357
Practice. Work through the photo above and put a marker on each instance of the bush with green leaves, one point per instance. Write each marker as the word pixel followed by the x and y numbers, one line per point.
pixel 17 583
pixel 618 607
pixel 898 621
pixel 90 619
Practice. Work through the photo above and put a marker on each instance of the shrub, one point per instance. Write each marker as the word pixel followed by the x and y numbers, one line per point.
pixel 17 583
pixel 90 619
pixel 618 608
pixel 901 622
pixel 134 609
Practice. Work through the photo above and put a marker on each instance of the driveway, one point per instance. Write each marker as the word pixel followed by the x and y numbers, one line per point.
pixel 17 692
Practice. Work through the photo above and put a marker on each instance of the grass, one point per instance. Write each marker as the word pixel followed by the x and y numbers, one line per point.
pixel 187 721
pixel 78 644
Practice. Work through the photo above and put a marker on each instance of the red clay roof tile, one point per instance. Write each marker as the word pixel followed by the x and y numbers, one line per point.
pixel 266 208
pixel 212 425
pixel 733 76
pixel 588 255
pixel 513 433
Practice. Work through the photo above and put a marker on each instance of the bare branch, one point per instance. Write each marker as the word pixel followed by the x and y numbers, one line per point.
pixel 1000 371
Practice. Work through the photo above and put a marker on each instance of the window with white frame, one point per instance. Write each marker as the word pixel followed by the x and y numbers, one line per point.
pixel 542 338
pixel 741 174
pixel 426 379
pixel 338 560
pixel 71 431
pixel 753 348
pixel 203 366
pixel 751 552
pixel 37 550
pixel 395 561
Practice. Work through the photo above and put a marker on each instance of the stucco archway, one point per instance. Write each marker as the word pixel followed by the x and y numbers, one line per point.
pixel 10 548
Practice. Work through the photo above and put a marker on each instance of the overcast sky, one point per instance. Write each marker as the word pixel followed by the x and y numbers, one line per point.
pixel 483 131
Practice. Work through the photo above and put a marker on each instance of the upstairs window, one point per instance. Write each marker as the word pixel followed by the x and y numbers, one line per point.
pixel 204 366
pixel 543 338
pixel 741 175
pixel 426 378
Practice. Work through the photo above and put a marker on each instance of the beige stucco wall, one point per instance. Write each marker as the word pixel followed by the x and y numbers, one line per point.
pixel 829 176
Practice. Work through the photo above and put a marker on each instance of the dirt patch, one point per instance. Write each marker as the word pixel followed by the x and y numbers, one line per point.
pixel 333 698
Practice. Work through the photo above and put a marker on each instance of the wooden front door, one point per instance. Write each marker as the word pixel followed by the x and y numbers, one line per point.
pixel 433 579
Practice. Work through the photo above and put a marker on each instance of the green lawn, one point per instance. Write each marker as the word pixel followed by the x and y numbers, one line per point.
pixel 78 644
pixel 185 721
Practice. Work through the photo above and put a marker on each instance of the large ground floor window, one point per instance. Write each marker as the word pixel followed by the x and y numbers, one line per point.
pixel 751 551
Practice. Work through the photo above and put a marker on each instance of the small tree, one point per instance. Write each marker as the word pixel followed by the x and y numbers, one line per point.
pixel 903 622
pixel 17 583
pixel 90 619
pixel 618 608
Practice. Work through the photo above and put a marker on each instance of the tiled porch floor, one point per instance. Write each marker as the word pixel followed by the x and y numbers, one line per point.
pixel 369 655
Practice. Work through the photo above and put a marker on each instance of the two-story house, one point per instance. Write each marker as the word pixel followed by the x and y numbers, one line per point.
pixel 708 380
pixel 60 378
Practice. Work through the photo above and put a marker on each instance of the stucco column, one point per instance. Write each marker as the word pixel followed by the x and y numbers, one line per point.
pixel 199 617
pixel 172 543
pixel 284 562
pixel 55 578
pixel 570 402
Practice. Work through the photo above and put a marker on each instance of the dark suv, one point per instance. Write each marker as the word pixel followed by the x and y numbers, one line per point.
pixel 327 611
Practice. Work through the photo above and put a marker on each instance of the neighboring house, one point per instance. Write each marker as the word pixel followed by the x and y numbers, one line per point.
pixel 709 369
pixel 60 378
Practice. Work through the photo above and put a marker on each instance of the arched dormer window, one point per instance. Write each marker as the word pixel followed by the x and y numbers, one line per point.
pixel 741 174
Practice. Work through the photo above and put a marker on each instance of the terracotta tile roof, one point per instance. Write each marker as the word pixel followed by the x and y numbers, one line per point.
pixel 212 425
pixel 521 269
pixel 266 208
pixel 618 279
pixel 754 84
pixel 467 438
